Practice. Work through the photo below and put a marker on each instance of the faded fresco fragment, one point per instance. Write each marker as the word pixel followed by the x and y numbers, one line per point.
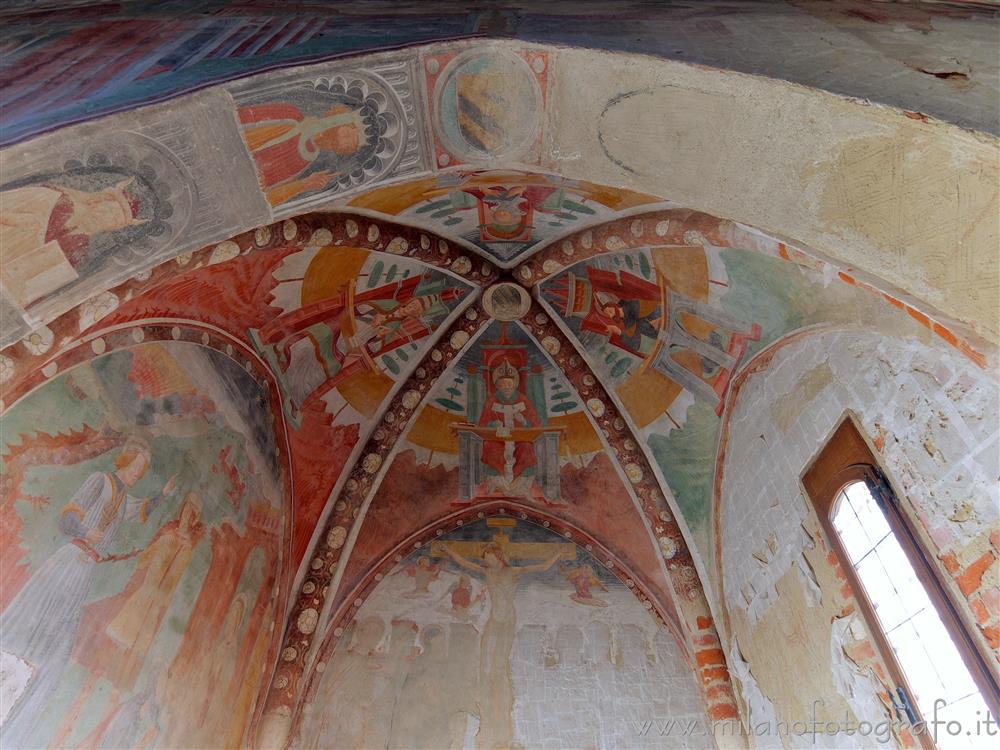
pixel 59 226
pixel 83 212
pixel 351 323
pixel 486 103
pixel 504 213
pixel 472 640
pixel 142 538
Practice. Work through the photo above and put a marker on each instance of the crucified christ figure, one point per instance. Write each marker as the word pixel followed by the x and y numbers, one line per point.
pixel 496 690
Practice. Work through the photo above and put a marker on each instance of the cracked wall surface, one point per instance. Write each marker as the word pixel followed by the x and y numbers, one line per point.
pixel 931 420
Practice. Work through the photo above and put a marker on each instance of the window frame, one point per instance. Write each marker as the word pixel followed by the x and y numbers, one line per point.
pixel 847 458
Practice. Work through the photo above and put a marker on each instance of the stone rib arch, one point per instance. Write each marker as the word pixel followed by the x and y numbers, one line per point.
pixel 304 613
pixel 311 607
pixel 230 286
pixel 824 165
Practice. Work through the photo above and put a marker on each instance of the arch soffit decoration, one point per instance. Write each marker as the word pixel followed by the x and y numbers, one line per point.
pixel 204 167
pixel 139 298
pixel 333 228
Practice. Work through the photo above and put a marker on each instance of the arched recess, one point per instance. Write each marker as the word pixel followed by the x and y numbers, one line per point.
pixel 147 518
pixel 320 587
pixel 920 404
pixel 624 638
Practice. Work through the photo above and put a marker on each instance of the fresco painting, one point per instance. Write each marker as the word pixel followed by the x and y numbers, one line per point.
pixel 59 226
pixel 470 640
pixel 143 533
pixel 310 138
pixel 505 214
pixel 351 323
pixel 81 213
pixel 651 318
pixel 668 327
pixel 506 418
pixel 486 103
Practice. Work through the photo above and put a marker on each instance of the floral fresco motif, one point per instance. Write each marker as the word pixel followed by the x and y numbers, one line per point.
pixel 464 643
pixel 143 532
pixel 505 214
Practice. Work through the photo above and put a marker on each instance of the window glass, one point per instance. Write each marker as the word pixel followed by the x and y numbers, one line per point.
pixel 926 653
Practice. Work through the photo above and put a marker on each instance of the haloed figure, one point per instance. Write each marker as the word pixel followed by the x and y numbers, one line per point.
pixel 40 624
pixel 116 634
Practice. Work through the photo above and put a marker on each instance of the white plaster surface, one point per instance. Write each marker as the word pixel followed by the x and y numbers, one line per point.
pixel 941 448
pixel 583 676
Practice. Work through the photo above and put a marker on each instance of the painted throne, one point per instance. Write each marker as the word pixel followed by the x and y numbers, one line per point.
pixel 506 438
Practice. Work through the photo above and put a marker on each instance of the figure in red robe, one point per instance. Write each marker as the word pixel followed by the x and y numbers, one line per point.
pixel 506 409
pixel 347 339
pixel 285 143
pixel 625 308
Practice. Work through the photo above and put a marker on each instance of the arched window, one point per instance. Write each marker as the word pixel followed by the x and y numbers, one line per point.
pixel 939 672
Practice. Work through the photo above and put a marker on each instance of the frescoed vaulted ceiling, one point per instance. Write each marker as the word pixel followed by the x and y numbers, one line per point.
pixel 440 317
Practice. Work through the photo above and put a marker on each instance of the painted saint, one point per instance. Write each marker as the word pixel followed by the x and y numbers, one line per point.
pixel 424 572
pixel 506 409
pixel 461 595
pixel 291 147
pixel 50 230
pixel 116 634
pixel 40 624
pixel 583 578
pixel 692 342
pixel 344 335
pixel 496 689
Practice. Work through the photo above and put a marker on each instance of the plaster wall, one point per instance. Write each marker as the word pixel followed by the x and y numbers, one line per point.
pixel 912 201
pixel 929 416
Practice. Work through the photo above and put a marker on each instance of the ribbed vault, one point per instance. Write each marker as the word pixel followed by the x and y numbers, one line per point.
pixel 466 324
